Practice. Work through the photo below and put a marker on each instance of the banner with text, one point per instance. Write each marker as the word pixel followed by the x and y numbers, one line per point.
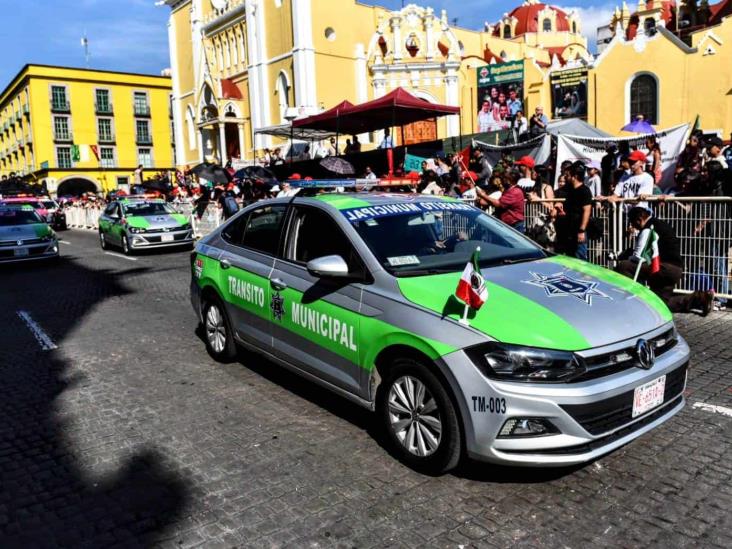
pixel 569 93
pixel 672 141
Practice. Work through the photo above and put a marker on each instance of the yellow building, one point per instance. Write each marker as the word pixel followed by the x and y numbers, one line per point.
pixel 242 66
pixel 84 130
pixel 668 69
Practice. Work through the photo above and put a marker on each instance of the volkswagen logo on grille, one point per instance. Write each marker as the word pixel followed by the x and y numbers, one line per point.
pixel 19 242
pixel 645 353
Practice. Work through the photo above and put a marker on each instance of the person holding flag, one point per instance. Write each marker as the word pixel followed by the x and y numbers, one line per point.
pixel 656 261
pixel 471 288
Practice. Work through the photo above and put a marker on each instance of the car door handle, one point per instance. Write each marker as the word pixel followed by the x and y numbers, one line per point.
pixel 277 284
pixel 225 263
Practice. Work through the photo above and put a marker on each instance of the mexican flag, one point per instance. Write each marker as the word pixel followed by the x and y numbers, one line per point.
pixel 471 289
pixel 649 249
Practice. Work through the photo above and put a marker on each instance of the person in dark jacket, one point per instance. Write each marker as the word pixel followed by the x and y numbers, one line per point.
pixel 671 269
pixel 481 167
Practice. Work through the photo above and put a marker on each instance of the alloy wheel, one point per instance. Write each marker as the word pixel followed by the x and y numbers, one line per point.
pixel 215 329
pixel 414 416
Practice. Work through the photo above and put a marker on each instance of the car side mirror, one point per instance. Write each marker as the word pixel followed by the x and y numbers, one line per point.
pixel 329 266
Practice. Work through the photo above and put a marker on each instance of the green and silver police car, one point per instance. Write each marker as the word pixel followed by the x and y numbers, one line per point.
pixel 25 235
pixel 564 362
pixel 139 223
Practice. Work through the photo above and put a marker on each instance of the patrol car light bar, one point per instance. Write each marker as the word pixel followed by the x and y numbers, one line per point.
pixel 332 183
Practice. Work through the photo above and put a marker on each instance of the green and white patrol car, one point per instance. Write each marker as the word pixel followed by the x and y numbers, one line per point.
pixel 564 362
pixel 138 223
pixel 25 235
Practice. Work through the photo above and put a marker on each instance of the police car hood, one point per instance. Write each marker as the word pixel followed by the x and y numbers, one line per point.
pixel 157 221
pixel 25 232
pixel 554 303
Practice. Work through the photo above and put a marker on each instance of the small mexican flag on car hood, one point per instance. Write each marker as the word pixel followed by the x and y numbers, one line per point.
pixel 471 288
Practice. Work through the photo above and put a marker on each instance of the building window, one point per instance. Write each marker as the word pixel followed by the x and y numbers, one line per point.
pixel 104 130
pixel 644 98
pixel 141 105
pixel 122 180
pixel 106 157
pixel 143 131
pixel 547 25
pixel 59 101
pixel 649 25
pixel 507 31
pixel 63 157
pixel 283 94
pixel 103 104
pixel 144 157
pixel 574 27
pixel 61 128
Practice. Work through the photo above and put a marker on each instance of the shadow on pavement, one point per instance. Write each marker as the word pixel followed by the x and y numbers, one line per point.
pixel 46 497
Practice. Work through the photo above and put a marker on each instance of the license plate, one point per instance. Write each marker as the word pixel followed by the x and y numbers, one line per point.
pixel 167 238
pixel 21 252
pixel 648 396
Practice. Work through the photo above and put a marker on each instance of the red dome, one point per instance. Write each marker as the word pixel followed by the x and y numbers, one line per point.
pixel 528 19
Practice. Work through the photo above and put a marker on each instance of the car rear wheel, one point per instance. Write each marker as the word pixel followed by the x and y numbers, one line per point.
pixel 103 240
pixel 420 418
pixel 220 342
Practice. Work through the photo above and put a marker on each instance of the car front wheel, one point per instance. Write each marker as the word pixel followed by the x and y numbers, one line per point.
pixel 102 240
pixel 420 418
pixel 220 342
pixel 126 245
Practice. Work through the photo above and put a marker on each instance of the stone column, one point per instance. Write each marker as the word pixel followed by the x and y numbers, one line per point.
pixel 201 152
pixel 242 143
pixel 397 32
pixel 222 143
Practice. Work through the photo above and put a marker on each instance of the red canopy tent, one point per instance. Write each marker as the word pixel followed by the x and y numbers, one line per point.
pixel 397 108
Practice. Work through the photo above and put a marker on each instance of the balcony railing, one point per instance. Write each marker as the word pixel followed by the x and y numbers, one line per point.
pixel 142 110
pixel 60 106
pixel 106 138
pixel 143 139
pixel 62 136
pixel 103 108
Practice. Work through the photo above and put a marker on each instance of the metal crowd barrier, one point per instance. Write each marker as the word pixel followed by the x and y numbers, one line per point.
pixel 702 224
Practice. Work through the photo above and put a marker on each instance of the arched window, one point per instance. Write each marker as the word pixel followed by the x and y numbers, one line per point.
pixel 507 31
pixel 574 27
pixel 546 25
pixel 644 97
pixel 649 25
pixel 283 94
pixel 234 50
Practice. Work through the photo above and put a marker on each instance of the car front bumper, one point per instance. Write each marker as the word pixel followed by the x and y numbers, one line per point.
pixel 592 417
pixel 160 239
pixel 29 252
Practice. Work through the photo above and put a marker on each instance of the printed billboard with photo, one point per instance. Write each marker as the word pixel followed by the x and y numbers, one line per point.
pixel 500 95
pixel 569 93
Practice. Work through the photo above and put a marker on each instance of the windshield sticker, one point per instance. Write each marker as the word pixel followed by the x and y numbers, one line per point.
pixel 402 260
pixel 385 210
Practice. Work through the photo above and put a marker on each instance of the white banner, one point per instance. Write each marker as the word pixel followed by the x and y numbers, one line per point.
pixel 672 141
pixel 539 149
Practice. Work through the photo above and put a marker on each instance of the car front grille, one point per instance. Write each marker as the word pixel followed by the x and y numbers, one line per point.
pixel 605 415
pixel 24 242
pixel 623 359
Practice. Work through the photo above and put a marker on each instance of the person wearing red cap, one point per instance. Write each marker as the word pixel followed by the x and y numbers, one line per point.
pixel 638 184
pixel 526 166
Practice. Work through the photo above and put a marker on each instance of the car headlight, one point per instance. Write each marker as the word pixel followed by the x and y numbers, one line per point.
pixel 136 230
pixel 530 364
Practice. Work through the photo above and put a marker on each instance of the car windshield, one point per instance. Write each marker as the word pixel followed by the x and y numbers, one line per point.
pixel 146 208
pixel 11 217
pixel 440 238
pixel 49 204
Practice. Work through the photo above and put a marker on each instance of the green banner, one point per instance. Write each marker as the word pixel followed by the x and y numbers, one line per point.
pixel 413 163
pixel 500 73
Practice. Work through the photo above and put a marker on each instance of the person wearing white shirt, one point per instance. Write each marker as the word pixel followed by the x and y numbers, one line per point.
pixel 638 184
pixel 369 173
pixel 593 179
pixel 485 118
pixel 387 142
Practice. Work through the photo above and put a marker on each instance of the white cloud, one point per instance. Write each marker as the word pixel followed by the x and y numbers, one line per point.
pixel 592 18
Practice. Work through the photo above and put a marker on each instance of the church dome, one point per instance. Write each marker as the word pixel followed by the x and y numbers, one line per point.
pixel 527 17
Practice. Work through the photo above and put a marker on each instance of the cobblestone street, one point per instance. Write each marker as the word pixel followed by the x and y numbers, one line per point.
pixel 129 434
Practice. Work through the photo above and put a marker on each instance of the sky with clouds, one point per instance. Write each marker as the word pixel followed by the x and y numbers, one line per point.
pixel 132 35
